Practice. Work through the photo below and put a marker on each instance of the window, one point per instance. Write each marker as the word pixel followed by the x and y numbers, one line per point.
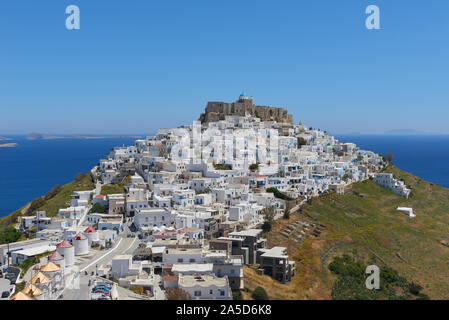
pixel 192 260
pixel 222 293
pixel 181 260
pixel 211 291
pixel 197 293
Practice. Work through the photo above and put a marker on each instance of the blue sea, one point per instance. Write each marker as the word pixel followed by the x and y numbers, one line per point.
pixel 425 156
pixel 35 166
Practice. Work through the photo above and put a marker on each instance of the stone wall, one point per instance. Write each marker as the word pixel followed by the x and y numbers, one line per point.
pixel 216 111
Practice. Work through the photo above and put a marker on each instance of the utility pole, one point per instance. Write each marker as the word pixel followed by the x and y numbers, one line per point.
pixel 7 255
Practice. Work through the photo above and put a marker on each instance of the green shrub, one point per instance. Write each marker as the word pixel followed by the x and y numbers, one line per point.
pixel 254 167
pixel 9 235
pixel 53 192
pixel 35 205
pixel 415 288
pixel 80 176
pixel 220 166
pixel 237 295
pixel 207 190
pixel 98 208
pixel 350 284
pixel 259 294
pixel 279 194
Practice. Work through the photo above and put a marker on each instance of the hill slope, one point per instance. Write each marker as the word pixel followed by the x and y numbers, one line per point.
pixel 52 205
pixel 365 224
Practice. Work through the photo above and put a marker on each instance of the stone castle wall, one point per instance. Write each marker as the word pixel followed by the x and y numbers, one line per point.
pixel 216 111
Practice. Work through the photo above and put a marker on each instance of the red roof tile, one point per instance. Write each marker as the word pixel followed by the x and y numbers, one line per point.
pixel 64 244
pixel 55 256
pixel 170 278
pixel 90 229
pixel 79 236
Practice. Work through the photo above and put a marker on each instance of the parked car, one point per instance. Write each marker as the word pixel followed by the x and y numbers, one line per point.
pixel 101 287
pixel 11 277
pixel 5 294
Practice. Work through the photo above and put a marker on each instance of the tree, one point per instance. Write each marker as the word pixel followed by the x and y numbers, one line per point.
pixel 286 214
pixel 390 157
pixel 268 219
pixel 177 294
pixel 259 294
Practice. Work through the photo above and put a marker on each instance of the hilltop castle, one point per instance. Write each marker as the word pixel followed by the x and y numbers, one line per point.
pixel 216 111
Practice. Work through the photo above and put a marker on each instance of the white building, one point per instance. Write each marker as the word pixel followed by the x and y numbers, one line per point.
pixel 123 266
pixel 387 180
pixel 153 217
pixel 205 287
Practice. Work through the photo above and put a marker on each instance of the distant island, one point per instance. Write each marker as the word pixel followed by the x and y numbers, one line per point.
pixel 9 145
pixel 4 139
pixel 41 136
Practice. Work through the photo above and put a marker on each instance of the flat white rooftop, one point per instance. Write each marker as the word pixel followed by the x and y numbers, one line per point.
pixel 36 250
pixel 276 252
pixel 192 267
pixel 202 281
pixel 247 233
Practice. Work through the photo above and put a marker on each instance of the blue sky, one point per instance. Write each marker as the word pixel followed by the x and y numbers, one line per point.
pixel 138 65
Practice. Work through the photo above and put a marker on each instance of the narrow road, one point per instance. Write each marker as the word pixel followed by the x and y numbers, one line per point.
pixel 77 287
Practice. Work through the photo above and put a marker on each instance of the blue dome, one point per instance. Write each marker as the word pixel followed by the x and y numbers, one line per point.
pixel 242 94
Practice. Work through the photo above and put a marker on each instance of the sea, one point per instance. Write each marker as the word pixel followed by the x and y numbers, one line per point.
pixel 425 156
pixel 35 166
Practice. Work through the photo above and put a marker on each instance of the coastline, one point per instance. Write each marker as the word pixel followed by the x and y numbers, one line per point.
pixel 35 166
pixel 9 145
pixel 10 218
pixel 40 136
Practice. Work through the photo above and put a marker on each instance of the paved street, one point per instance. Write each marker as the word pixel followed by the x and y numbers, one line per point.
pixel 77 288
pixel 5 285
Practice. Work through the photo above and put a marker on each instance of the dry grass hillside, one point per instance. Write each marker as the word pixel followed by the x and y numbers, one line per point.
pixel 365 224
